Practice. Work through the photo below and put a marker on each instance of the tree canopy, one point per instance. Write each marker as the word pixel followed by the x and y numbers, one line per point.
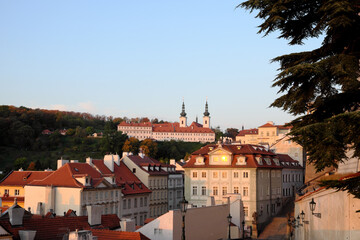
pixel 321 87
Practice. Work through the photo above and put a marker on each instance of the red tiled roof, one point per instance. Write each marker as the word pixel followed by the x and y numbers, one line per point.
pixel 143 124
pixel 55 228
pixel 21 178
pixel 247 150
pixel 124 177
pixel 66 176
pixel 284 158
pixel 267 125
pixel 252 131
pixel 144 161
pixel 146 221
pixel 12 199
pixel 171 127
pixel 112 235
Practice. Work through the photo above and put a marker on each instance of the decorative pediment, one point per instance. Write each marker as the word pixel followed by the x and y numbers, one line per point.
pixel 220 156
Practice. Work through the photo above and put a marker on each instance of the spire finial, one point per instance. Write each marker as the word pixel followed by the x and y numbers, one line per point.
pixel 183 113
pixel 206 113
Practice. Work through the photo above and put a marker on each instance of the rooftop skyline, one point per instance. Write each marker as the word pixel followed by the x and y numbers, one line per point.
pixel 140 59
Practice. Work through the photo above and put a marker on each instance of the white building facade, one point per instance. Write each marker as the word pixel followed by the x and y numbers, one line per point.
pixel 172 131
pixel 249 170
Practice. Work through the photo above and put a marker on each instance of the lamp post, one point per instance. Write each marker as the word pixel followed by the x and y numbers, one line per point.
pixel 183 205
pixel 312 208
pixel 229 221
pixel 243 228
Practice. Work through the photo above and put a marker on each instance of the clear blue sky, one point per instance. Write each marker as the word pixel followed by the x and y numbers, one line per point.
pixel 140 58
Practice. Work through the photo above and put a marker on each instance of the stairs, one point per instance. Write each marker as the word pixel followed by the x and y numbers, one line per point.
pixel 277 228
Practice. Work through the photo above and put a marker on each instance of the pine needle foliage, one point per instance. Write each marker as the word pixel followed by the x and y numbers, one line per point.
pixel 320 87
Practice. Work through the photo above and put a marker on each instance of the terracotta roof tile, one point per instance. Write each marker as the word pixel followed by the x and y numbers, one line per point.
pixel 143 161
pixel 55 228
pixel 124 178
pixel 252 131
pixel 247 150
pixel 21 178
pixel 66 176
pixel 110 235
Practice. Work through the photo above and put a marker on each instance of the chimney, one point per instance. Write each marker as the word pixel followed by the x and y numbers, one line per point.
pixel 16 216
pixel 27 234
pixel 127 225
pixel 270 122
pixel 94 214
pixel 89 161
pixel 40 209
pixel 117 159
pixel 141 154
pixel 74 161
pixel 172 162
pixel 61 162
pixel 109 161
pixel 125 154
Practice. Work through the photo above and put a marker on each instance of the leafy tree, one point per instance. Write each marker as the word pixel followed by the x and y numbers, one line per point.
pixel 131 145
pixel 321 87
pixel 31 166
pixel 20 163
pixel 70 132
pixel 218 133
pixel 231 132
pixel 90 130
pixel 149 147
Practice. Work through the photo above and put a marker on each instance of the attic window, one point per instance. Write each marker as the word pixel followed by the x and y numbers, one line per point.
pixel 132 186
pixel 134 170
pixel 259 160
pixel 276 161
pixel 238 147
pixel 140 186
pixel 267 160
pixel 76 169
pixel 241 160
pixel 87 180
pixel 211 148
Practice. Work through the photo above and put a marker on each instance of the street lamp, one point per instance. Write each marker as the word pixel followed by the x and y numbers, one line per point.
pixel 183 205
pixel 302 214
pixel 229 221
pixel 243 228
pixel 298 221
pixel 312 208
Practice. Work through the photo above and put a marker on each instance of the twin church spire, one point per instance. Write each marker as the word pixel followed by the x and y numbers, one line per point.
pixel 206 117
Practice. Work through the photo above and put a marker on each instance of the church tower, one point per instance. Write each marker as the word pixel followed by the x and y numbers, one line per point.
pixel 206 118
pixel 183 118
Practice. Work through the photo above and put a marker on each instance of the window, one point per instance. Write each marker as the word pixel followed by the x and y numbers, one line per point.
pixel 245 191
pixel 170 195
pixel 135 203
pixel 141 202
pixel 17 192
pixel 145 201
pixel 203 174
pixel 194 190
pixel 224 174
pixel 246 211
pixel 194 174
pixel 224 190
pixel 215 175
pixel 215 191
pixel 203 190
pixel 129 203
pixel 245 174
pixel 236 175
pixel 124 204
pixel 236 190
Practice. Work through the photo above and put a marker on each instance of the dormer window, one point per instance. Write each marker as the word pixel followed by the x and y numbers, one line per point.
pixel 259 160
pixel 113 180
pixel 211 148
pixel 267 160
pixel 276 161
pixel 241 160
pixel 199 161
pixel 238 147
pixel 140 186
